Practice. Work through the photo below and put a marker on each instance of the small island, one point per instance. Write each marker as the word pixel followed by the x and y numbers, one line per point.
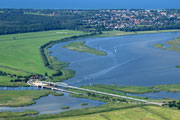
pixel 81 47
pixel 172 45
pixel 65 107
pixel 84 104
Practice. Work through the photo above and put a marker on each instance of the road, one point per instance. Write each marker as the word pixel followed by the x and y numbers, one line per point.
pixel 43 83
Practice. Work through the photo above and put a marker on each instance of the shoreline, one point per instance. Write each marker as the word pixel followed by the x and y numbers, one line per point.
pixel 45 52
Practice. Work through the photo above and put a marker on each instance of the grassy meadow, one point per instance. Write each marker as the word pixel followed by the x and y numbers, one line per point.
pixel 20 54
pixel 136 113
pixel 22 51
pixel 81 47
pixel 17 98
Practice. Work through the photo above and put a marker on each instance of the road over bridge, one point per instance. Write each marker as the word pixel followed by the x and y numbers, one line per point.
pixel 64 85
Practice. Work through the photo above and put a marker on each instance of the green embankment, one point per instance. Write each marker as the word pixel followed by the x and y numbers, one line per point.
pixel 137 89
pixel 21 97
pixel 127 89
pixel 169 88
pixel 120 33
pixel 122 90
pixel 81 47
pixel 11 115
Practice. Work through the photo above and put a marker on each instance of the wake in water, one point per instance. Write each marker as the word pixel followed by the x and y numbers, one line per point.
pixel 100 73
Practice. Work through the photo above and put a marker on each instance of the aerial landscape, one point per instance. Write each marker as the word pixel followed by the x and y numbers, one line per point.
pixel 89 60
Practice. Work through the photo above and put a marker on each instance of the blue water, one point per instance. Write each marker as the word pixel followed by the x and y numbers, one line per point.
pixel 90 4
pixel 131 61
pixel 51 104
pixel 136 62
pixel 158 95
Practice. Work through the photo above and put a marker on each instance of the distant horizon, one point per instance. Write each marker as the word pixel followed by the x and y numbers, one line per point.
pixel 91 4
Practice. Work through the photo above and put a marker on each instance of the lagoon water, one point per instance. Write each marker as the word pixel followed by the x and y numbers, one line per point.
pixel 158 95
pixel 131 60
pixel 52 104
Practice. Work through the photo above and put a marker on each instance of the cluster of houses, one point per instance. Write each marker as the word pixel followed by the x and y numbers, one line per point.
pixel 117 19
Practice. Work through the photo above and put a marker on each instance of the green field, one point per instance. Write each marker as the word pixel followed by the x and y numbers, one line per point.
pixel 20 55
pixel 21 97
pixel 22 51
pixel 6 81
pixel 82 47
pixel 137 113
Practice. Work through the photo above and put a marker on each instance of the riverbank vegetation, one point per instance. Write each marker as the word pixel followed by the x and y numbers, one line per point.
pixel 134 89
pixel 121 33
pixel 169 45
pixel 173 45
pixel 84 104
pixel 21 98
pixel 11 115
pixel 169 88
pixel 127 89
pixel 82 47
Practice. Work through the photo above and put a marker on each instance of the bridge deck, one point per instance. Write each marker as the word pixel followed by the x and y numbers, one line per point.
pixel 50 84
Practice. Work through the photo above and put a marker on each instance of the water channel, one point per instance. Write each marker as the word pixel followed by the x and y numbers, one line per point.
pixel 131 61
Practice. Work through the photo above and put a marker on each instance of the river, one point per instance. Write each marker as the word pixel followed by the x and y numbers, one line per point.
pixel 51 104
pixel 131 61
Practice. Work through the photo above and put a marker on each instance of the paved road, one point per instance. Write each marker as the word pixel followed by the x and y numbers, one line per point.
pixel 104 93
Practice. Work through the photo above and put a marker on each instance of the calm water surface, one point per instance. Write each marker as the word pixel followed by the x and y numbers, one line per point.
pixel 131 60
pixel 52 104
pixel 158 95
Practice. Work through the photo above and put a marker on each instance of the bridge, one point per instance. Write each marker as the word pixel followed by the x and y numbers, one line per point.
pixel 54 86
